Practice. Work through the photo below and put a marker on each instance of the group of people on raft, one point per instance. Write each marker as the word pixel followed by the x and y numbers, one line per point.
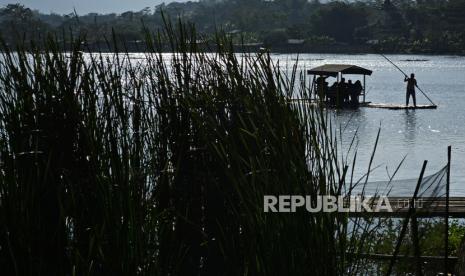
pixel 344 93
pixel 340 93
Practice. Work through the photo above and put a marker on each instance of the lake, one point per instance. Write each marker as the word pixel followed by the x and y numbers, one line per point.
pixel 417 134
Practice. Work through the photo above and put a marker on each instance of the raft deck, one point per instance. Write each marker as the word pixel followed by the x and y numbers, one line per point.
pixel 396 106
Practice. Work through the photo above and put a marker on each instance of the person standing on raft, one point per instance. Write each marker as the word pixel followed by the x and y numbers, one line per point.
pixel 411 83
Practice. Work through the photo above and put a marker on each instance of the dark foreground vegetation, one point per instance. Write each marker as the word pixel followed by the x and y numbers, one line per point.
pixel 402 26
pixel 116 166
pixel 111 165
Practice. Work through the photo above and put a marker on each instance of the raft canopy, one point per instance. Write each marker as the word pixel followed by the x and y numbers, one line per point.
pixel 334 69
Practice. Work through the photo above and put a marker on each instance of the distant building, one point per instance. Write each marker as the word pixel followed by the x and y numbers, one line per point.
pixel 293 41
pixel 235 31
pixel 252 44
pixel 211 1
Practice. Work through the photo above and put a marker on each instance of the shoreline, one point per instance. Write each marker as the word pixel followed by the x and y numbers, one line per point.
pixel 140 47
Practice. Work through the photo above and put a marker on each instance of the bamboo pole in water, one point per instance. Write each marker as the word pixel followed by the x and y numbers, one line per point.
pixel 404 226
pixel 446 230
pixel 416 244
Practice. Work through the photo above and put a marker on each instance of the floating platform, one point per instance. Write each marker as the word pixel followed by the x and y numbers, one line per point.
pixel 396 106
pixel 371 105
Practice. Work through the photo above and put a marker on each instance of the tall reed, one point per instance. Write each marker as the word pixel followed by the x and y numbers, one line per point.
pixel 119 165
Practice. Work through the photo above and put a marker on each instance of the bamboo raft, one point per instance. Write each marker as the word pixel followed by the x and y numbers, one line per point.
pixel 389 106
pixel 396 106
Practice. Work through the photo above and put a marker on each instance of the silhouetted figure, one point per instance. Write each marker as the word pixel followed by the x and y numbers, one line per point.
pixel 341 92
pixel 355 92
pixel 332 93
pixel 349 91
pixel 322 87
pixel 411 83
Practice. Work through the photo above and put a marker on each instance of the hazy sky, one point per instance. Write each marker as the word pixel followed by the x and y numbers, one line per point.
pixel 86 6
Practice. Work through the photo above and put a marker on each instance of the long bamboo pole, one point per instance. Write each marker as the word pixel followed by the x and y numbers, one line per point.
pixel 416 244
pixel 424 94
pixel 446 231
pixel 406 221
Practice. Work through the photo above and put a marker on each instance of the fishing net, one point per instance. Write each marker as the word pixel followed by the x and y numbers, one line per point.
pixel 431 186
pixel 424 235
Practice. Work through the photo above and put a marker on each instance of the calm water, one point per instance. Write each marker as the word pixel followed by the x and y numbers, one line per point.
pixel 417 134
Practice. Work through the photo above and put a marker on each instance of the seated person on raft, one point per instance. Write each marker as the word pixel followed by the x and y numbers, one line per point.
pixel 322 88
pixel 339 93
pixel 354 91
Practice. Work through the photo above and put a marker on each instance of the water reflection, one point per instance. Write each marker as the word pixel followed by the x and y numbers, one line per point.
pixel 351 122
pixel 410 132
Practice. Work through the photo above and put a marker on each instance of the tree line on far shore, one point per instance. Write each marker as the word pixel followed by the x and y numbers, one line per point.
pixel 401 26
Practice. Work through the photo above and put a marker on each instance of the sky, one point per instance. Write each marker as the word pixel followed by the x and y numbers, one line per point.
pixel 87 6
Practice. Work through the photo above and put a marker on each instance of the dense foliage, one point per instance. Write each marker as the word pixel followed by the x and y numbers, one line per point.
pixel 423 26
pixel 157 164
